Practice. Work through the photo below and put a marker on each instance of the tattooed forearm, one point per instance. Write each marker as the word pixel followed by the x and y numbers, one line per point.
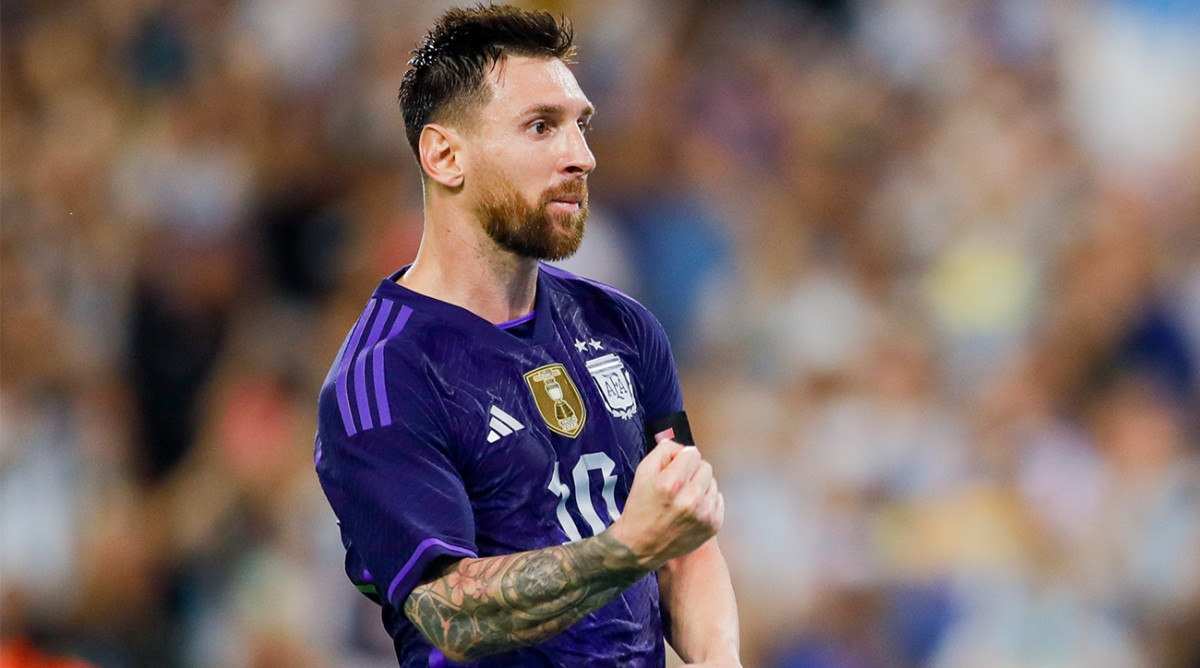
pixel 483 606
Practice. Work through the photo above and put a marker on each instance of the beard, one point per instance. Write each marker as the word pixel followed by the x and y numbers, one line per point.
pixel 531 230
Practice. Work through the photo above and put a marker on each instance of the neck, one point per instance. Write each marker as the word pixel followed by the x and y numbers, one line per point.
pixel 458 263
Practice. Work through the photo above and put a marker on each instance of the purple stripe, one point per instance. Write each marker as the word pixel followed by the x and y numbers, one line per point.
pixel 367 576
pixel 385 410
pixel 381 400
pixel 436 658
pixel 338 365
pixel 416 555
pixel 360 390
pixel 342 393
pixel 360 366
pixel 513 323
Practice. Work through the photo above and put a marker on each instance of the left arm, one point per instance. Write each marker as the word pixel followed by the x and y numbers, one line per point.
pixel 697 597
pixel 695 591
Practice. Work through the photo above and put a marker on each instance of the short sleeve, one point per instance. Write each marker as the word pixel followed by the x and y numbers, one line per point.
pixel 398 497
pixel 657 378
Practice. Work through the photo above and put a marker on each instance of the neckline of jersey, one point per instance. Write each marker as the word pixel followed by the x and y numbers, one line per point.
pixel 389 288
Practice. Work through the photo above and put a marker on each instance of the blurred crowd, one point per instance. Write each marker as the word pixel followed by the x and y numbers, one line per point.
pixel 931 269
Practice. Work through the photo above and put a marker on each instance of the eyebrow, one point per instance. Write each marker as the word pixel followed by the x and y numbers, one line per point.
pixel 555 110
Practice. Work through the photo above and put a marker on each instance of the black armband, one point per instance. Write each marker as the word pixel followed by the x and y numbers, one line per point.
pixel 674 426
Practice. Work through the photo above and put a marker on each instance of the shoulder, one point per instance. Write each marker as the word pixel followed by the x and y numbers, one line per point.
pixel 380 375
pixel 593 294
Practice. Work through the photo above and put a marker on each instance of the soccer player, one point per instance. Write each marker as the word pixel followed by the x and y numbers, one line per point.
pixel 502 441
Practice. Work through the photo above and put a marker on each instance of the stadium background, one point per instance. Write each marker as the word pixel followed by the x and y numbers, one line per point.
pixel 931 269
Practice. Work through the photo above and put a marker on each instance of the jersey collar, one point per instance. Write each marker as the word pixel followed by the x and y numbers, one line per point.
pixel 457 316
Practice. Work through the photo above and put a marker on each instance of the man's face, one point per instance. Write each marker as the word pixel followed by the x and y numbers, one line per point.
pixel 529 159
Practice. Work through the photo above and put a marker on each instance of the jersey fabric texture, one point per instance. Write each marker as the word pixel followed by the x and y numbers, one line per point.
pixel 441 434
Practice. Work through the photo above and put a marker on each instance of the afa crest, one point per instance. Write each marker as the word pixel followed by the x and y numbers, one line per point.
pixel 615 385
pixel 557 399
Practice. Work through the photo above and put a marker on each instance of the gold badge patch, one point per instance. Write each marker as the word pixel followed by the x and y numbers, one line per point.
pixel 557 399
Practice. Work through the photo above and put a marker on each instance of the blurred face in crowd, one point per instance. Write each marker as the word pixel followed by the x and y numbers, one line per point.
pixel 529 159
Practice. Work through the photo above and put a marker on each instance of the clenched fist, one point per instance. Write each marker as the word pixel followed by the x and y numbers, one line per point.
pixel 673 505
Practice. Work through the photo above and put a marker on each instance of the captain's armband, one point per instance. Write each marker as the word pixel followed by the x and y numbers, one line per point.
pixel 674 426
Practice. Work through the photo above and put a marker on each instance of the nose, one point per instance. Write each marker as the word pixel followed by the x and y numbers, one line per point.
pixel 578 159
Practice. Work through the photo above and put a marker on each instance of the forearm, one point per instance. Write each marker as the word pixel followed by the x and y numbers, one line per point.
pixel 698 599
pixel 489 605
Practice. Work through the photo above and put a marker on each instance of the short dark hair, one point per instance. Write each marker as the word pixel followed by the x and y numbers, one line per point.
pixel 448 71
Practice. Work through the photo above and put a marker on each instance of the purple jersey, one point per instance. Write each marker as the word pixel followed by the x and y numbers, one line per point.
pixel 441 434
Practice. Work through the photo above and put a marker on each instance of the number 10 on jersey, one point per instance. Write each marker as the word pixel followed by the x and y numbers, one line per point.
pixel 581 477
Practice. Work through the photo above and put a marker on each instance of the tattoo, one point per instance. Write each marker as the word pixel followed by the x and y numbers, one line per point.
pixel 489 605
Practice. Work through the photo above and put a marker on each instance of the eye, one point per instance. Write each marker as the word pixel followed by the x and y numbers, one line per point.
pixel 540 127
pixel 585 125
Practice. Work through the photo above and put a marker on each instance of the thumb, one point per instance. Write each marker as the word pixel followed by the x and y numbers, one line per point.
pixel 664 452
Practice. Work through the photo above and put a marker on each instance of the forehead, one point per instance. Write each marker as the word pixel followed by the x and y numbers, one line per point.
pixel 519 82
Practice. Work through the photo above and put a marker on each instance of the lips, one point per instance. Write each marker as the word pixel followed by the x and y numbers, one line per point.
pixel 571 192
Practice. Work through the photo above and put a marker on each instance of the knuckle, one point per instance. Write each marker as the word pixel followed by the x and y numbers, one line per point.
pixel 684 502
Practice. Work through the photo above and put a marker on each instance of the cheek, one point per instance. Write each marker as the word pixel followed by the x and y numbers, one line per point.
pixel 526 172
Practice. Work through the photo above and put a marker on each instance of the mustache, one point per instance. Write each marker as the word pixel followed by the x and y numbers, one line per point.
pixel 572 187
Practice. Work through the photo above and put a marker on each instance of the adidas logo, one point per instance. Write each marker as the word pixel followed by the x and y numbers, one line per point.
pixel 502 424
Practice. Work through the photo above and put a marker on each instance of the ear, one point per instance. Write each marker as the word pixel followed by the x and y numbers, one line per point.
pixel 440 150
